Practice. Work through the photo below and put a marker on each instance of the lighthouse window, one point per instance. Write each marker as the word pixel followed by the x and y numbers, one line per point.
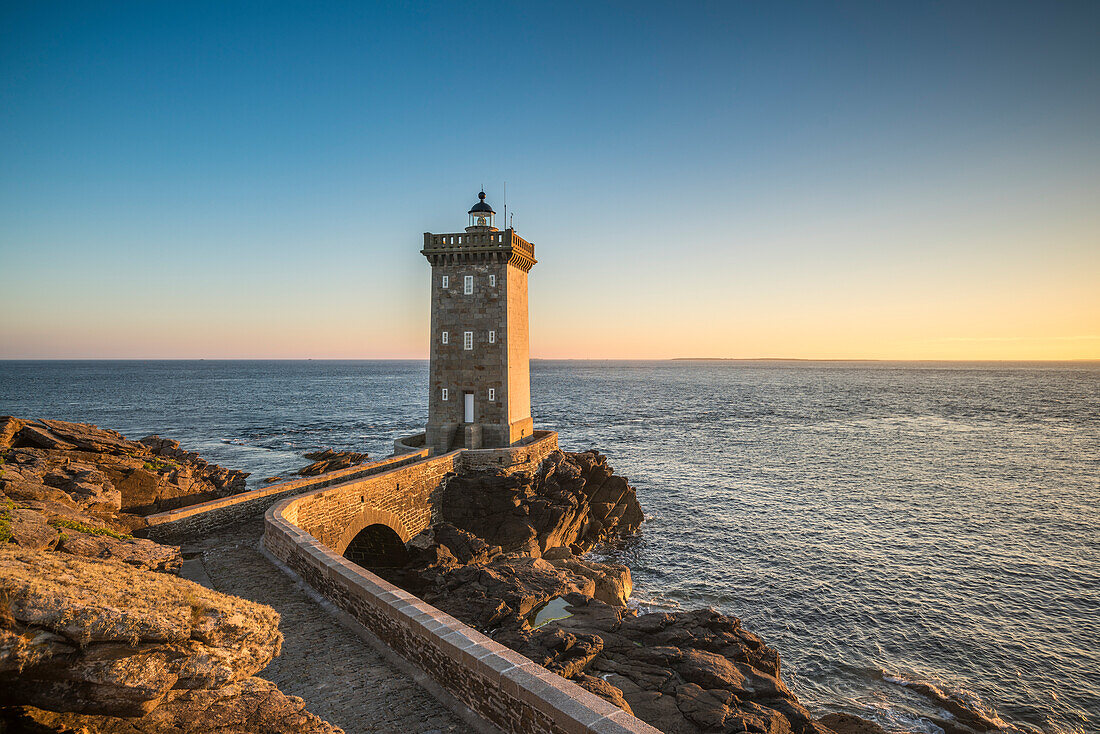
pixel 444 395
pixel 492 281
pixel 467 340
pixel 446 336
pixel 468 285
pixel 446 281
pixel 492 337
pixel 492 394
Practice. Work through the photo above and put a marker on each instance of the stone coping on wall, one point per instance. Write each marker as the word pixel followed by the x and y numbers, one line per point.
pixel 505 688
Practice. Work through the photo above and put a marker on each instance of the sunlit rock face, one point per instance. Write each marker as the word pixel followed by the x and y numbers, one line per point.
pixel 574 500
pixel 102 471
pixel 103 637
pixel 96 633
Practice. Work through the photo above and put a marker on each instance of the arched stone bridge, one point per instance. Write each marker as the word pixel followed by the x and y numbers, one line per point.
pixel 369 519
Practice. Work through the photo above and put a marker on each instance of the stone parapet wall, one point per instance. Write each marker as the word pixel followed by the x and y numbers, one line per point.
pixel 503 687
pixel 521 457
pixel 406 494
pixel 177 526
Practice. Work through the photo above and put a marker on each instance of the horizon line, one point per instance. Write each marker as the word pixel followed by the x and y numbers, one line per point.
pixel 532 359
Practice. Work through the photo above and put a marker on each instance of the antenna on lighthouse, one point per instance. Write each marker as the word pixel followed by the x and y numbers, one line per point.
pixel 506 202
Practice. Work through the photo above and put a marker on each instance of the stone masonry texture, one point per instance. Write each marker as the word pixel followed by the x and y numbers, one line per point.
pixel 342 678
pixel 495 314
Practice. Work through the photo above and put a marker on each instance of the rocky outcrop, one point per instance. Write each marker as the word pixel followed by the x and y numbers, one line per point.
pixel 683 673
pixel 252 705
pixel 75 488
pixel 101 637
pixel 328 460
pixel 849 724
pixel 90 639
pixel 110 648
pixel 574 500
pixel 102 471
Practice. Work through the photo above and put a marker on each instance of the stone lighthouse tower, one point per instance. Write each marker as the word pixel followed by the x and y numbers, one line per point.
pixel 480 355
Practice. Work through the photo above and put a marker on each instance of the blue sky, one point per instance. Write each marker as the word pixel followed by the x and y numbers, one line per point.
pixel 700 179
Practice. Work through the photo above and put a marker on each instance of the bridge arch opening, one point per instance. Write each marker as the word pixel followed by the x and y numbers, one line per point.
pixel 377 546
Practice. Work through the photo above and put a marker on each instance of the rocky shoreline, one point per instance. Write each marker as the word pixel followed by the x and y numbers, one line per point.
pixel 97 632
pixel 511 547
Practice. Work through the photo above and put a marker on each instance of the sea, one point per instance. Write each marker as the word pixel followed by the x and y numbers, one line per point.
pixel 883 525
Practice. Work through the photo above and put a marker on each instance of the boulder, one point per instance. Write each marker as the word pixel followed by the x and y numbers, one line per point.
pixel 612 580
pixel 248 706
pixel 131 551
pixel 328 460
pixel 103 637
pixel 849 724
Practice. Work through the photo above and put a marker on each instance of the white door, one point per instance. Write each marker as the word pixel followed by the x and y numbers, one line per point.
pixel 469 407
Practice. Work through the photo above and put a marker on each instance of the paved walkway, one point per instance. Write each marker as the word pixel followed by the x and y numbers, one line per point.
pixel 342 678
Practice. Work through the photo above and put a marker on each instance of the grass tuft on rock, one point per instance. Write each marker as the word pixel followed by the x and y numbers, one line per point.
pixel 58 522
pixel 6 510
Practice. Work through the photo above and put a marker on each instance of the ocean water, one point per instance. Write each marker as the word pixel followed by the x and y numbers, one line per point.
pixel 877 523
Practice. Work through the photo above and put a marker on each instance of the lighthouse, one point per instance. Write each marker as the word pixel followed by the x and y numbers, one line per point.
pixel 480 374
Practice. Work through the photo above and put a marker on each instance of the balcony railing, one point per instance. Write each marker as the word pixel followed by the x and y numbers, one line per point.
pixel 478 240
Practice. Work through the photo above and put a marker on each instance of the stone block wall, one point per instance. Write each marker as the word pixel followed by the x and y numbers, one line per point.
pixel 498 264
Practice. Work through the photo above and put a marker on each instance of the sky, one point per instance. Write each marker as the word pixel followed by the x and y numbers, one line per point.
pixel 739 180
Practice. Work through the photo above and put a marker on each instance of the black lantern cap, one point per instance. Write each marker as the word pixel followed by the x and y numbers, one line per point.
pixel 481 207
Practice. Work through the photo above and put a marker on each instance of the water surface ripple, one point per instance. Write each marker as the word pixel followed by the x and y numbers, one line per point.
pixel 877 523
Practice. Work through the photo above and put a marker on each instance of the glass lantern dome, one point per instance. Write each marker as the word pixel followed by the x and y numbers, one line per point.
pixel 481 214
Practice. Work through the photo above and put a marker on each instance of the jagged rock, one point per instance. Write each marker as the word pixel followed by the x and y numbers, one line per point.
pixel 574 500
pixel 684 673
pixel 249 706
pixel 458 547
pixel 328 460
pixel 966 717
pixel 102 637
pixel 30 530
pixel 502 592
pixel 849 724
pixel 9 426
pixel 103 472
pixel 612 580
pixel 132 551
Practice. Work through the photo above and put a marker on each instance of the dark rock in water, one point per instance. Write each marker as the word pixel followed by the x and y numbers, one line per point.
pixel 849 724
pixel 969 718
pixel 328 460
pixel 574 500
